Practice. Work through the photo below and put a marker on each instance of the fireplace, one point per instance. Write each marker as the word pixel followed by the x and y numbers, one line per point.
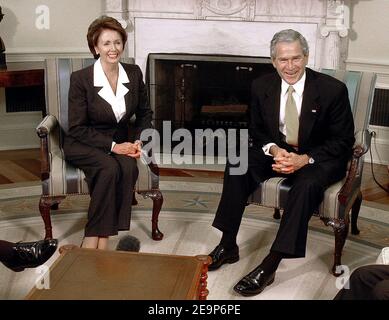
pixel 196 91
pixel 234 27
pixel 220 35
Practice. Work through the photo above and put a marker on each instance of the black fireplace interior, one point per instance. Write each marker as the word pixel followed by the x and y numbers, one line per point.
pixel 202 91
pixel 196 91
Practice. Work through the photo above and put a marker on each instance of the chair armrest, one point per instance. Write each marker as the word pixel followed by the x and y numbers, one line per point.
pixel 47 125
pixel 354 176
pixel 352 183
pixel 148 178
pixel 150 160
pixel 362 143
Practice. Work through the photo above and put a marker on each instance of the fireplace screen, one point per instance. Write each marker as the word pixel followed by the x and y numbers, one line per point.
pixel 202 91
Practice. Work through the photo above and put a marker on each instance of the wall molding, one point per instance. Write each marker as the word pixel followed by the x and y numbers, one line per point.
pixel 244 10
pixel 35 54
pixel 380 67
pixel 18 138
pixel 380 144
pixel 329 17
pixel 373 62
pixel 19 147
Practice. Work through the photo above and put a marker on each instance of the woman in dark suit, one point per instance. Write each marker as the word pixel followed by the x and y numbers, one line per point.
pixel 102 99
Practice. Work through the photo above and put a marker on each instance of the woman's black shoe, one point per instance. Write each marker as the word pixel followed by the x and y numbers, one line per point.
pixel 31 254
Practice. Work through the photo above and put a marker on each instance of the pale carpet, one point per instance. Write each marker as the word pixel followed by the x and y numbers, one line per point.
pixel 307 278
pixel 186 222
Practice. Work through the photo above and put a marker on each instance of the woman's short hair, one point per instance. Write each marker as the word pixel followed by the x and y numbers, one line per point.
pixel 288 35
pixel 97 26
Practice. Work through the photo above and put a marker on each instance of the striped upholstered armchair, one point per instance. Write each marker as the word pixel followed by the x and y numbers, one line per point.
pixel 345 195
pixel 59 178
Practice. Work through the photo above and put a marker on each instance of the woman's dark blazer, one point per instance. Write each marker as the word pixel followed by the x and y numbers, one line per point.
pixel 91 121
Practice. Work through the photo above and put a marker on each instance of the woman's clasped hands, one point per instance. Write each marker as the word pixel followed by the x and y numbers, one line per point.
pixel 132 150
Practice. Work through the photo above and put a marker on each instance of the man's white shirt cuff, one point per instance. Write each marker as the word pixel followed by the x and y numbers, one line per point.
pixel 266 148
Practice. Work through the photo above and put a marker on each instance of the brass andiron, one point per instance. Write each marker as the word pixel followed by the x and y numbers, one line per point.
pixel 3 64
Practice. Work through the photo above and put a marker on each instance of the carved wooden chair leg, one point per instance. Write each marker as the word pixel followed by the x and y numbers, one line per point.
pixel 277 214
pixel 157 198
pixel 157 205
pixel 340 230
pixel 45 204
pixel 354 214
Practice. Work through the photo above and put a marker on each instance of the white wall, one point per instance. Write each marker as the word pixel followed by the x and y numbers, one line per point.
pixel 368 46
pixel 369 36
pixel 69 22
pixel 369 51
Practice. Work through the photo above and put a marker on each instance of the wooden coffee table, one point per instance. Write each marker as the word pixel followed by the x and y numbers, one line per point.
pixel 88 274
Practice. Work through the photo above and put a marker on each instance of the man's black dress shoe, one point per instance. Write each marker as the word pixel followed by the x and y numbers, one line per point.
pixel 31 254
pixel 254 283
pixel 220 256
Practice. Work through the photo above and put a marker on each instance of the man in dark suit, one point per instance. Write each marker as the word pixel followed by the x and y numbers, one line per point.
pixel 302 127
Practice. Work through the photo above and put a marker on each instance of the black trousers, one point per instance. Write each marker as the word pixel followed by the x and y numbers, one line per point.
pixel 111 179
pixel 367 283
pixel 305 195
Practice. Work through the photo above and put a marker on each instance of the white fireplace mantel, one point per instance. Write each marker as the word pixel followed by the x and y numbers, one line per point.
pixel 239 27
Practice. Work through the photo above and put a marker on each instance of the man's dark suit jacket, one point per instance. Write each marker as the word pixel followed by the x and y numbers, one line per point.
pixel 326 131
pixel 91 118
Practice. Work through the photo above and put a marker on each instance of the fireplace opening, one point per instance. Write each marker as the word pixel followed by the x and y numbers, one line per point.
pixel 202 91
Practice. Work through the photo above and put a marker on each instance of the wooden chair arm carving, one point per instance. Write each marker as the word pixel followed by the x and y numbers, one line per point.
pixel 48 124
pixel 43 130
pixel 363 143
pixel 353 179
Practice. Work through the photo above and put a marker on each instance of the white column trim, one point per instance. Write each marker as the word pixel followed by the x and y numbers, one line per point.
pixel 379 145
